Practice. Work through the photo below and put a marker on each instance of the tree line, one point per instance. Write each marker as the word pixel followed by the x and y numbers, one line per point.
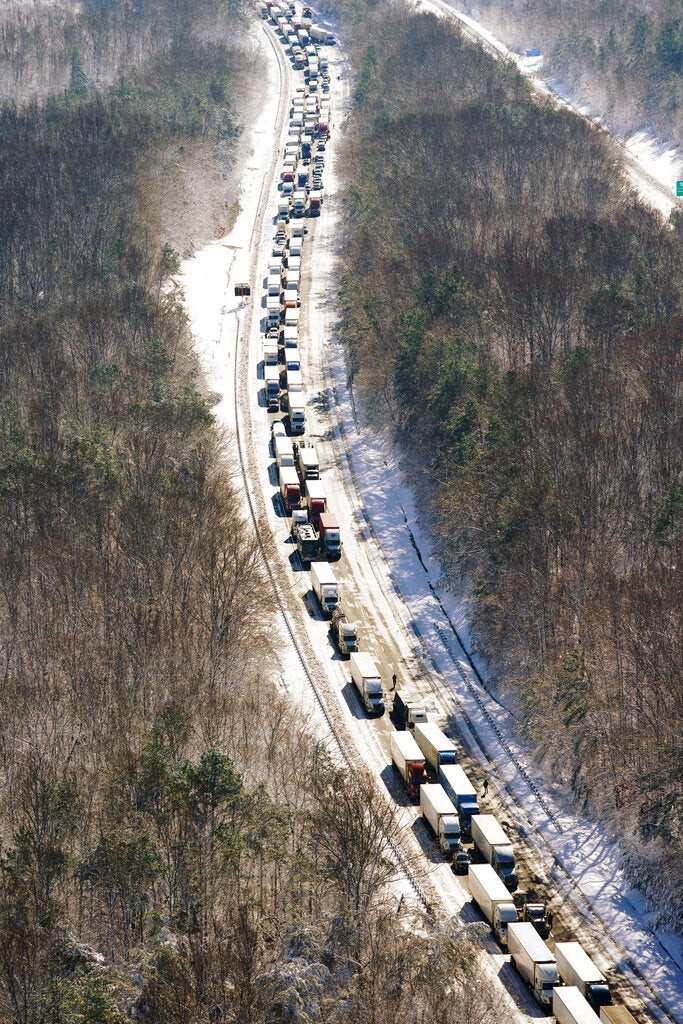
pixel 513 314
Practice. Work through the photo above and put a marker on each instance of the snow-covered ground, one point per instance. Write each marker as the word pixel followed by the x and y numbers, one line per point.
pixel 391 577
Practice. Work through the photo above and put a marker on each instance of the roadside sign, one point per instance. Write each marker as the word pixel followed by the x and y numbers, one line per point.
pixel 679 188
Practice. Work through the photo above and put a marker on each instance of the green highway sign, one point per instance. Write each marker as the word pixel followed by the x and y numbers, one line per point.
pixel 679 188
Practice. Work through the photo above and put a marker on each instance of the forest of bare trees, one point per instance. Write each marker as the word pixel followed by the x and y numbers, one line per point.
pixel 623 58
pixel 174 846
pixel 514 314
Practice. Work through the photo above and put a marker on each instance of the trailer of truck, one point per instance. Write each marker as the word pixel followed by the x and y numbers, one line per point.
pixel 316 500
pixel 435 746
pixel 409 761
pixel 533 960
pixel 284 452
pixel 616 1013
pixel 367 679
pixel 462 793
pixel 576 968
pixel 493 844
pixel 290 489
pixel 325 587
pixel 493 899
pixel 570 1007
pixel 437 808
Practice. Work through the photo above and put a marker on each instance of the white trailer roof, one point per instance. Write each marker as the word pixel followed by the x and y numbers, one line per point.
pixel 491 829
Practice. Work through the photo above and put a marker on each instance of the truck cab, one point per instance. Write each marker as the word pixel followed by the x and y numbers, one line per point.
pixel 345 633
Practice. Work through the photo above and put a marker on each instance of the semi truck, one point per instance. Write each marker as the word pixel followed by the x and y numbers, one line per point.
pixel 330 534
pixel 366 677
pixel 493 899
pixel 570 1007
pixel 490 839
pixel 533 960
pixel 290 489
pixel 408 711
pixel 325 587
pixel 297 412
pixel 271 376
pixel 576 968
pixel 321 35
pixel 344 633
pixel 440 813
pixel 409 761
pixel 435 746
pixel 462 793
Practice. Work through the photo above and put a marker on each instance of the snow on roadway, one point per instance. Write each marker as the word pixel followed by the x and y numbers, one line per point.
pixel 217 322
